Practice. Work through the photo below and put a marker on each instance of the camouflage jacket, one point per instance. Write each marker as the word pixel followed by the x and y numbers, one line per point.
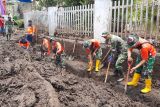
pixel 118 45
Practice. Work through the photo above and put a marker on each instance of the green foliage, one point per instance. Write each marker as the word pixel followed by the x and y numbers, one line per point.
pixel 19 22
pixel 49 3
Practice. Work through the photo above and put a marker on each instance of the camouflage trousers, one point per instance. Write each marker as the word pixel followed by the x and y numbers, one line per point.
pixel 147 69
pixel 119 60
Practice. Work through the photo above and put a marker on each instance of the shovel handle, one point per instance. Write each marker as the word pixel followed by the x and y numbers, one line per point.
pixel 129 68
pixel 106 55
pixel 107 72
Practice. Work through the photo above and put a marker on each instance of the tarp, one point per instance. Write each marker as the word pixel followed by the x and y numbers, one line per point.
pixel 3 7
pixel 27 1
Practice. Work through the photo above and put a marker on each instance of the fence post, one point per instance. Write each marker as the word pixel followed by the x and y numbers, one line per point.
pixel 101 18
pixel 52 19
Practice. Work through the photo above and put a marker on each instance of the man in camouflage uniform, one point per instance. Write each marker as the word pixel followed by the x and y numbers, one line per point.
pixel 144 62
pixel 93 50
pixel 118 53
pixel 8 27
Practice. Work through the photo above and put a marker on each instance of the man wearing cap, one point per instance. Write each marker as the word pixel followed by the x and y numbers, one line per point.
pixel 93 49
pixel 9 28
pixel 57 49
pixel 144 62
pixel 118 53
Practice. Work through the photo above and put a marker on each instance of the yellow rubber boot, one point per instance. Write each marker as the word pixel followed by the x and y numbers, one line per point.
pixel 97 65
pixel 147 88
pixel 135 80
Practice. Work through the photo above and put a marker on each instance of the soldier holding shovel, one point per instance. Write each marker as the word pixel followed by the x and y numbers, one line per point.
pixel 118 53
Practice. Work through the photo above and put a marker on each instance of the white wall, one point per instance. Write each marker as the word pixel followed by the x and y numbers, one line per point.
pixel 52 12
pixel 101 18
pixel 39 18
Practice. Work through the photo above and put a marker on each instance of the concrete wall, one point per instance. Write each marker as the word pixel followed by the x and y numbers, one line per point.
pixel 52 19
pixel 39 18
pixel 101 18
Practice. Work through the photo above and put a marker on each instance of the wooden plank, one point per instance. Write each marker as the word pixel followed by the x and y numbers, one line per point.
pixel 83 21
pixel 122 17
pixel 72 20
pixel 157 22
pixel 64 15
pixel 114 27
pixel 136 17
pixel 146 21
pixel 88 20
pixel 62 21
pixel 92 14
pixel 57 19
pixel 85 14
pixel 131 14
pixel 141 15
pixel 152 15
pixel 67 19
pixel 110 28
pixel 78 19
pixel 126 18
pixel 118 17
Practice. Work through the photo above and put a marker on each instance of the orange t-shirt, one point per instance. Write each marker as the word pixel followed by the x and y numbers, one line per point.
pixel 58 46
pixel 31 30
pixel 146 50
pixel 46 43
pixel 96 43
pixel 27 44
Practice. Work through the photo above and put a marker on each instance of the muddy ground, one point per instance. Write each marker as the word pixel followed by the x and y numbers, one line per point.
pixel 26 80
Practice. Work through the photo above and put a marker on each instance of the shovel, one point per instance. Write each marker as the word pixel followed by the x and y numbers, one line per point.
pixel 129 68
pixel 71 57
pixel 107 72
pixel 102 65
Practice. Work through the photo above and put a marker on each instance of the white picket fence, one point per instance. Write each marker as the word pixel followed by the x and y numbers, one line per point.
pixel 129 16
pixel 124 16
pixel 76 20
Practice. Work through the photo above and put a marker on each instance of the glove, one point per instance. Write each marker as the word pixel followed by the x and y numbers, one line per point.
pixel 110 58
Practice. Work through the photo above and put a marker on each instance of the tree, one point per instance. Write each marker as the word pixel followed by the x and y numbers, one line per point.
pixel 66 3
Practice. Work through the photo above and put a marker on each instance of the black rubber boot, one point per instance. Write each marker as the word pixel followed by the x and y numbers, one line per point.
pixel 7 37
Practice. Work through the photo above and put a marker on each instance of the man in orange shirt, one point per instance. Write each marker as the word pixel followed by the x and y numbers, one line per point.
pixel 93 49
pixel 24 43
pixel 30 31
pixel 57 49
pixel 45 46
pixel 144 61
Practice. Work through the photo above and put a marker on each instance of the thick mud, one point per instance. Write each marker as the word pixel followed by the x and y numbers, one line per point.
pixel 26 80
